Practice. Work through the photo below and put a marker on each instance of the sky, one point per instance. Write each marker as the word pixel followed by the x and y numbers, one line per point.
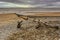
pixel 28 3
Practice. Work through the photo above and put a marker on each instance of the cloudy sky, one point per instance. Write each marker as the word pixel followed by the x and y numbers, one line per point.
pixel 28 3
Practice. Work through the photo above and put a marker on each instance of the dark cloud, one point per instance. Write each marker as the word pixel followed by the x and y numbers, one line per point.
pixel 12 1
pixel 33 2
pixel 23 1
pixel 29 1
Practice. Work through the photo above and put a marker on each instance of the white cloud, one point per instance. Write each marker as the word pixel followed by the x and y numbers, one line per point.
pixel 7 5
pixel 29 3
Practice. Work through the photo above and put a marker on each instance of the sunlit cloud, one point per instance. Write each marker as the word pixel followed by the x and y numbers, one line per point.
pixel 29 3
pixel 8 5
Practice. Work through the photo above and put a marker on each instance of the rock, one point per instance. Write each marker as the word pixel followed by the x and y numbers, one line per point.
pixel 13 27
pixel 41 34
pixel 8 25
pixel 27 24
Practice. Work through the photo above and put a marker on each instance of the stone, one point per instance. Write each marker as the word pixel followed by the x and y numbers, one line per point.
pixel 27 24
pixel 8 25
pixel 14 27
